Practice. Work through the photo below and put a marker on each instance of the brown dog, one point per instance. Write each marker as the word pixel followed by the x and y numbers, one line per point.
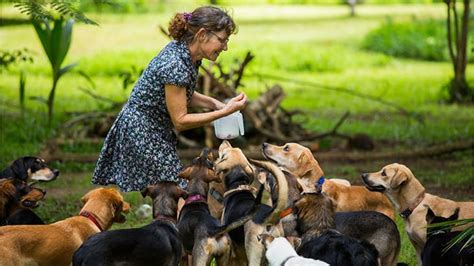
pixel 16 200
pixel 54 244
pixel 299 161
pixel 409 198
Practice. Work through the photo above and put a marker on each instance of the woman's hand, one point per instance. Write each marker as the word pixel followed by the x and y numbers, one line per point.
pixel 235 104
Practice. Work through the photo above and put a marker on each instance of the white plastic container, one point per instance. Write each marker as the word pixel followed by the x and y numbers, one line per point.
pixel 229 127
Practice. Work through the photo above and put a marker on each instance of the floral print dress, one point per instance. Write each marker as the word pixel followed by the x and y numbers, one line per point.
pixel 140 148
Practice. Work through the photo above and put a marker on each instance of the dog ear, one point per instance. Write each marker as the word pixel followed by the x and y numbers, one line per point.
pixel 186 173
pixel 455 215
pixel 398 178
pixel 86 197
pixel 429 215
pixel 7 188
pixel 224 145
pixel 20 169
pixel 181 193
pixel 146 191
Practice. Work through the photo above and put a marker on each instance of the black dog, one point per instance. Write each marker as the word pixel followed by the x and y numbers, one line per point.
pixel 438 239
pixel 155 244
pixel 29 168
pixel 316 223
pixel 201 233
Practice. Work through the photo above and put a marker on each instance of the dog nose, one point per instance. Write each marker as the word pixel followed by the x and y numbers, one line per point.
pixel 56 172
pixel 364 175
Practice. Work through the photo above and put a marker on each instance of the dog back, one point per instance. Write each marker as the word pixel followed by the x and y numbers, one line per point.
pixel 154 244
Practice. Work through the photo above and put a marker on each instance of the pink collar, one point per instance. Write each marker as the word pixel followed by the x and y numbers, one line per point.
pixel 91 217
pixel 195 198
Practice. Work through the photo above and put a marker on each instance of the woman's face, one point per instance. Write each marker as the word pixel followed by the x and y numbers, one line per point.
pixel 215 43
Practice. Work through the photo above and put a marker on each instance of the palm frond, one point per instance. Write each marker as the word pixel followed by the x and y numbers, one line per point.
pixel 43 10
pixel 467 233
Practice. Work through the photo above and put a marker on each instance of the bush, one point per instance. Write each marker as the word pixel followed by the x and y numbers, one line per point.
pixel 418 39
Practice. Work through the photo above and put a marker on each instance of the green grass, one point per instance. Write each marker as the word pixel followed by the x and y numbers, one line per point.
pixel 317 44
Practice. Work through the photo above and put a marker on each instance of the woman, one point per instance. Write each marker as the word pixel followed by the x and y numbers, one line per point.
pixel 140 148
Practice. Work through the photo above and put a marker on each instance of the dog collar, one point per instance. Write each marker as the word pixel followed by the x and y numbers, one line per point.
pixel 160 217
pixel 195 198
pixel 286 212
pixel 216 195
pixel 249 188
pixel 408 211
pixel 91 217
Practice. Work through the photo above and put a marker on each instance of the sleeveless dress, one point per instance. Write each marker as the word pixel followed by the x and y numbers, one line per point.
pixel 140 148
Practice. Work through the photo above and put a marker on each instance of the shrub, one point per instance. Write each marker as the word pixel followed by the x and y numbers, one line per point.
pixel 418 39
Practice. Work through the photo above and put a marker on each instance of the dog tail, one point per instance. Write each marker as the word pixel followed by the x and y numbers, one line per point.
pixel 282 190
pixel 238 223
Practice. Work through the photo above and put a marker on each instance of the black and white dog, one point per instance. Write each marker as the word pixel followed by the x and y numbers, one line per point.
pixel 29 168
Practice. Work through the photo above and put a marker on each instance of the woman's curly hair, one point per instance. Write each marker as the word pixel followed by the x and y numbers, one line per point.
pixel 184 26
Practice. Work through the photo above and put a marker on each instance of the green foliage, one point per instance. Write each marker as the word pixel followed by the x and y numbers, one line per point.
pixel 8 58
pixel 52 10
pixel 419 39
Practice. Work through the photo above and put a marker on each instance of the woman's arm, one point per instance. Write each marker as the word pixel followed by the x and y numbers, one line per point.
pixel 204 101
pixel 177 108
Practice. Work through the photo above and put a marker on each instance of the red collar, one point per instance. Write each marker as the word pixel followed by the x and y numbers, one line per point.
pixel 286 212
pixel 167 218
pixel 91 217
pixel 195 198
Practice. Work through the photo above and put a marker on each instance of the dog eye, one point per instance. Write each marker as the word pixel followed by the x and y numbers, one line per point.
pixel 383 173
pixel 286 148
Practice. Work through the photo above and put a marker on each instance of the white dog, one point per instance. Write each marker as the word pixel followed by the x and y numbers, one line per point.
pixel 281 252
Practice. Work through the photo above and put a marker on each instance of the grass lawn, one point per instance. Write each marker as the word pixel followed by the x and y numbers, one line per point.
pixel 314 44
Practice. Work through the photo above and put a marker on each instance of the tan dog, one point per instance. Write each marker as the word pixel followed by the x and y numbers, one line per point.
pixel 54 244
pixel 299 161
pixel 409 198
pixel 229 160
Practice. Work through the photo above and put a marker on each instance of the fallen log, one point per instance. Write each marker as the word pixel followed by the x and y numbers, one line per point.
pixel 322 156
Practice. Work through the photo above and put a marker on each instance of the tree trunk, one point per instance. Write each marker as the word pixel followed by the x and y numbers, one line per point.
pixel 459 90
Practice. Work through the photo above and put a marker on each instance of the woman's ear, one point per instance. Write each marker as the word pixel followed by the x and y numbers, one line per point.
pixel 201 35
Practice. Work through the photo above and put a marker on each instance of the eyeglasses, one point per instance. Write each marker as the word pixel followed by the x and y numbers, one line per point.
pixel 220 39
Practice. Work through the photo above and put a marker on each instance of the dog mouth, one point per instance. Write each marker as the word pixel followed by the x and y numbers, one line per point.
pixel 372 187
pixel 30 204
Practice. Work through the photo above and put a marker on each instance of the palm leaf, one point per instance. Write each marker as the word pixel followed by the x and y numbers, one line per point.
pixel 466 233
pixel 37 10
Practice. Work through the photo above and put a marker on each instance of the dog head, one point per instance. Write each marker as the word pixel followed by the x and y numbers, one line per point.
pixel 33 197
pixel 31 168
pixel 390 177
pixel 165 197
pixel 107 204
pixel 295 159
pixel 315 211
pixel 265 239
pixel 202 167
pixel 230 157
pixel 431 218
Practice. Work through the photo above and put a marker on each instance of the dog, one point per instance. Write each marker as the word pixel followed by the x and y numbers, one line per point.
pixel 300 161
pixel 321 241
pixel 29 168
pixel 439 238
pixel 374 227
pixel 55 244
pixel 16 201
pixel 238 174
pixel 281 253
pixel 157 243
pixel 202 234
pixel 409 197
